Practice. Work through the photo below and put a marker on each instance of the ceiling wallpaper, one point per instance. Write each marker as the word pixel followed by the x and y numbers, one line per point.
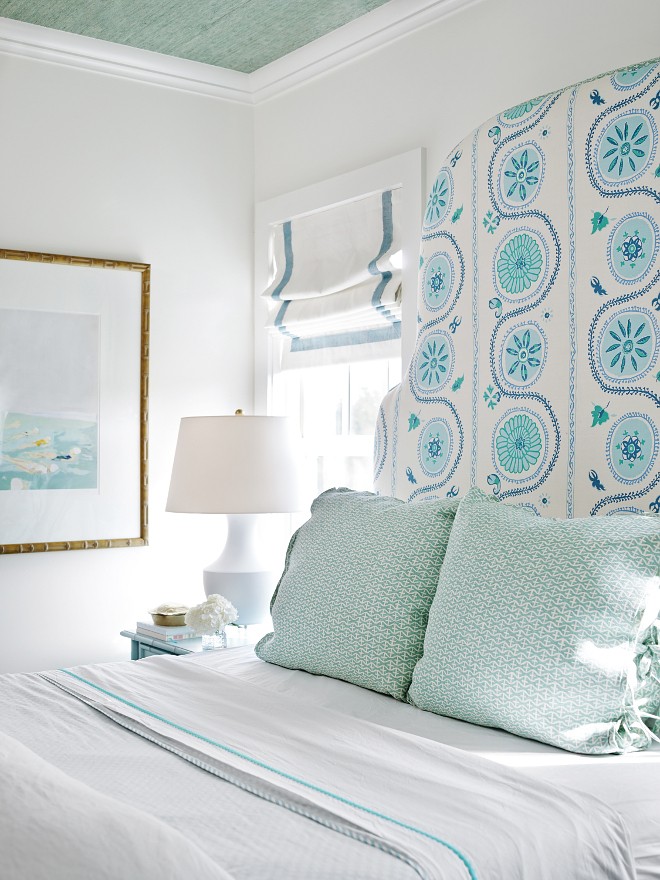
pixel 241 36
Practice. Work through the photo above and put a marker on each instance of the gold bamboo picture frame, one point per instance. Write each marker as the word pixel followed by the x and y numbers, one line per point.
pixel 94 326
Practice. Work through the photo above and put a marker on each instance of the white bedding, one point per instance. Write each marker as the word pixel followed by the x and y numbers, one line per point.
pixel 247 835
pixel 255 840
pixel 447 814
pixel 629 783
pixel 55 828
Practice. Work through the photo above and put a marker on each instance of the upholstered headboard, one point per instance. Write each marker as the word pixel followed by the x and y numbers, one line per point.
pixel 536 373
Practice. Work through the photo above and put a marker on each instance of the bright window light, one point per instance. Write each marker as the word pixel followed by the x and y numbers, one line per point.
pixel 337 406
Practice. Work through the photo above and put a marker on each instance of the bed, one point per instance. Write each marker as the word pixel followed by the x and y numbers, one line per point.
pixel 252 837
pixel 223 765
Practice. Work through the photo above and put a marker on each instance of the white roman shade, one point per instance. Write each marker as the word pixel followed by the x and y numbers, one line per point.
pixel 336 296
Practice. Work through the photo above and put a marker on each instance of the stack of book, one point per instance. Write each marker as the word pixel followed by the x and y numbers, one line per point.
pixel 166 633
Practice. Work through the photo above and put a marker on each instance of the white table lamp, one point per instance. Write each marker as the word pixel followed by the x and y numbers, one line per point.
pixel 241 466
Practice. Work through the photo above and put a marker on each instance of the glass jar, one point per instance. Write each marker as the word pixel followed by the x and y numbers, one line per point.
pixel 213 640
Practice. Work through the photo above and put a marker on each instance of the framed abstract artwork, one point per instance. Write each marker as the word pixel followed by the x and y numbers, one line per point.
pixel 74 381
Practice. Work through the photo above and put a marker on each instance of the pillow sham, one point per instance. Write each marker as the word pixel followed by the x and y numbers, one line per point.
pixel 547 628
pixel 357 586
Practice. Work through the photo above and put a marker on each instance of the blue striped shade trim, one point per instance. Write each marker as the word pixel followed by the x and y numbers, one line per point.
pixel 357 337
pixel 347 338
pixel 388 236
pixel 288 264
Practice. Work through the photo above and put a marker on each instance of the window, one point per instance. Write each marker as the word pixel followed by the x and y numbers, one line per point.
pixel 334 397
pixel 336 407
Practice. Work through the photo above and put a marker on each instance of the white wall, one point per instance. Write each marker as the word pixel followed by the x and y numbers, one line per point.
pixel 431 88
pixel 101 166
pixel 105 167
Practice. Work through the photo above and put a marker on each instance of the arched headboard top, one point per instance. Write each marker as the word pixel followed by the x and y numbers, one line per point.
pixel 536 374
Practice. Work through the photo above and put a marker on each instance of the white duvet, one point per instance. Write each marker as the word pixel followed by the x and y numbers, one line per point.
pixel 55 828
pixel 628 783
pixel 448 814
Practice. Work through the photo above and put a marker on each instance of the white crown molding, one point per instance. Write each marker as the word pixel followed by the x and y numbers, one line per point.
pixel 87 53
pixel 374 29
pixel 370 31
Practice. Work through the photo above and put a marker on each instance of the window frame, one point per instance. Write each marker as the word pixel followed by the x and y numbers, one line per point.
pixel 407 171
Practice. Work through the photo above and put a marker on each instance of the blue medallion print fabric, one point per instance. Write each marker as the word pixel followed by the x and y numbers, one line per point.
pixel 536 374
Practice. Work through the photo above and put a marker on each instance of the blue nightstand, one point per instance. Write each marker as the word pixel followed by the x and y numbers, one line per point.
pixel 145 646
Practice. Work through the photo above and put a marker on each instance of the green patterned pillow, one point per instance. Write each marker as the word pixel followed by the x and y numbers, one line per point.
pixel 357 586
pixel 545 627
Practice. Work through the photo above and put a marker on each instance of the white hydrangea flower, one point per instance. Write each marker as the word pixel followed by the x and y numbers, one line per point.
pixel 214 614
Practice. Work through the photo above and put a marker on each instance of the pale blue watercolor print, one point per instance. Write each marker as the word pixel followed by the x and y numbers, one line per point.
pixel 48 452
pixel 49 400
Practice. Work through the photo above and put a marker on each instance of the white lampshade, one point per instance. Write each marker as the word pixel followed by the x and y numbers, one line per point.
pixel 236 464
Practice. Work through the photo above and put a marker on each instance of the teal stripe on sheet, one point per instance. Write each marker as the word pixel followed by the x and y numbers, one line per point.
pixel 347 831
pixel 281 773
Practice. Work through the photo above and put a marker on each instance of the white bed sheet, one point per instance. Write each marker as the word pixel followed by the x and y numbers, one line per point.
pixel 56 828
pixel 629 783
pixel 443 811
pixel 247 835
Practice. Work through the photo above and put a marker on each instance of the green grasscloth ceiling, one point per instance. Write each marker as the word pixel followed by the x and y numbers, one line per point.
pixel 238 35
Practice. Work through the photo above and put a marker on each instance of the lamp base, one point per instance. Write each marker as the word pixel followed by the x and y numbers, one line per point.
pixel 239 574
pixel 249 592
